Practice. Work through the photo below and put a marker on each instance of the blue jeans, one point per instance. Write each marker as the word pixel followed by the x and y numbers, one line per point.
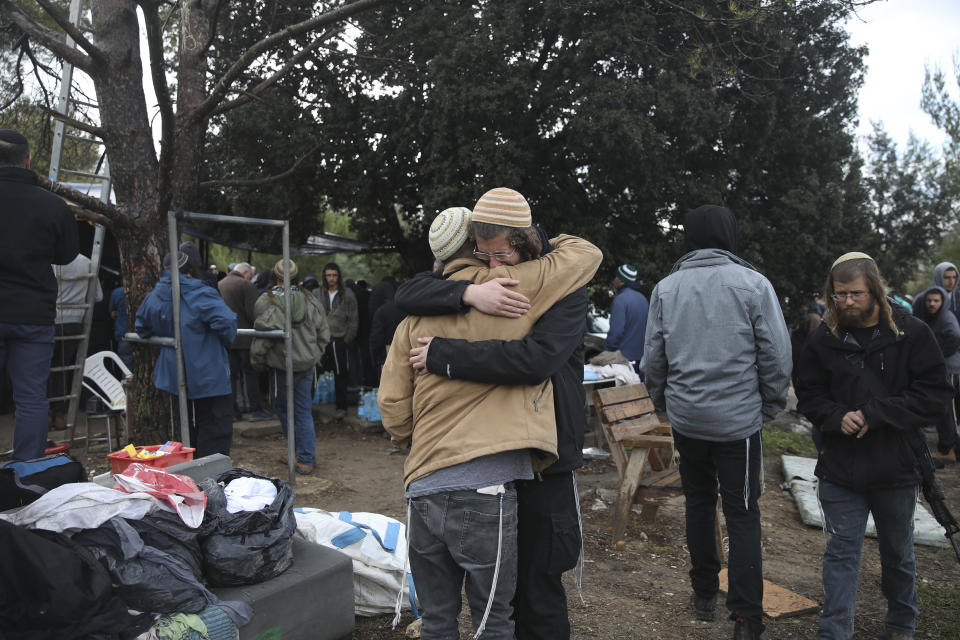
pixel 845 521
pixel 704 465
pixel 453 535
pixel 27 349
pixel 303 429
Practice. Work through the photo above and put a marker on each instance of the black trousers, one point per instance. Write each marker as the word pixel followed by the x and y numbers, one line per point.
pixel 244 381
pixel 211 425
pixel 336 359
pixel 548 543
pixel 703 465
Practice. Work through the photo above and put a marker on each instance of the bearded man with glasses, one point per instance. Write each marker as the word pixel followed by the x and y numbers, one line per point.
pixel 870 377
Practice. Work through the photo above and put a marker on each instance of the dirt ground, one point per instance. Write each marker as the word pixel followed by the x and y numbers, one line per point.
pixel 638 591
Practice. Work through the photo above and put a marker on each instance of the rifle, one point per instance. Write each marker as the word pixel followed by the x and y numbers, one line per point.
pixel 932 492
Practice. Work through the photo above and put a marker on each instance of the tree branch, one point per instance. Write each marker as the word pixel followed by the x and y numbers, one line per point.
pixel 158 77
pixel 77 124
pixel 248 57
pixel 251 94
pixel 256 182
pixel 90 208
pixel 81 40
pixel 47 37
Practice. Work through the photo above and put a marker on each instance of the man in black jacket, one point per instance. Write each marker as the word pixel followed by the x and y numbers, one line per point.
pixel 870 378
pixel 38 231
pixel 549 539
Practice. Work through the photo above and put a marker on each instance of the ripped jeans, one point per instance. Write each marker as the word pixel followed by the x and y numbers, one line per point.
pixel 705 464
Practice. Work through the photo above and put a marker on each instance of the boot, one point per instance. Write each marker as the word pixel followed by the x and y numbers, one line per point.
pixel 743 631
pixel 704 608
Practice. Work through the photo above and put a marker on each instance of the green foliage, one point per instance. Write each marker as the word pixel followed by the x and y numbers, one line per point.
pixel 777 442
pixel 29 119
pixel 912 201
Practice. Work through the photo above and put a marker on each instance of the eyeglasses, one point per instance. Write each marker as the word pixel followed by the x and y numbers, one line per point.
pixel 501 256
pixel 853 295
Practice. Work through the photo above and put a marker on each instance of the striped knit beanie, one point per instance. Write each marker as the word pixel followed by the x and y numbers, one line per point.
pixel 448 232
pixel 627 272
pixel 504 207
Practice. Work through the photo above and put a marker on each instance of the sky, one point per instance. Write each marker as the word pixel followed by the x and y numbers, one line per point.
pixel 903 36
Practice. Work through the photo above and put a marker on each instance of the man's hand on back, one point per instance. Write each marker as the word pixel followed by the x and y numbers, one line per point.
pixel 418 355
pixel 495 299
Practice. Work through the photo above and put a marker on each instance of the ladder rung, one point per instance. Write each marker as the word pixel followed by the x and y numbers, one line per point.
pixel 86 174
pixel 74 136
pixel 78 336
pixel 69 367
pixel 59 398
pixel 84 103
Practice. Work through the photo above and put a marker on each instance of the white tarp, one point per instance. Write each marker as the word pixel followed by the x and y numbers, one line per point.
pixel 798 473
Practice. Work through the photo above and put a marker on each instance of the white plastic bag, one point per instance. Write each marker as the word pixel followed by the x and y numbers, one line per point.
pixel 378 546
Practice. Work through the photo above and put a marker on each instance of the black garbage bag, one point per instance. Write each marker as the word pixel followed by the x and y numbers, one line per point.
pixel 246 547
pixel 54 589
pixel 167 532
pixel 146 578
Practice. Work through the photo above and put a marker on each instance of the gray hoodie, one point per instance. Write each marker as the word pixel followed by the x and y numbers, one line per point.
pixel 717 351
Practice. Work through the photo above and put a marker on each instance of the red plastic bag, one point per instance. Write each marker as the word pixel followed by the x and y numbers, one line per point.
pixel 179 494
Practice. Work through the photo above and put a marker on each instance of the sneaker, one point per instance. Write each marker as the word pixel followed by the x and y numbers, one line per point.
pixel 259 416
pixel 704 608
pixel 743 631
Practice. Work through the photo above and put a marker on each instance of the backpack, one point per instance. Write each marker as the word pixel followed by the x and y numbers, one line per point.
pixel 23 481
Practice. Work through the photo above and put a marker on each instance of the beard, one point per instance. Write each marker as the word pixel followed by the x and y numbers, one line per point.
pixel 855 317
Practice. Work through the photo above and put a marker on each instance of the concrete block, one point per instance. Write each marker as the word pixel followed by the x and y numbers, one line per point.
pixel 260 429
pixel 195 469
pixel 312 600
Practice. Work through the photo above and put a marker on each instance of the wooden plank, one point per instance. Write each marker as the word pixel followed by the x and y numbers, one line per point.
pixel 656 495
pixel 632 428
pixel 624 393
pixel 662 479
pixel 625 410
pixel 628 489
pixel 648 441
pixel 616 449
pixel 778 602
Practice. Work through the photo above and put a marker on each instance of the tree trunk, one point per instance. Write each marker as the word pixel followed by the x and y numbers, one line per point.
pixel 140 223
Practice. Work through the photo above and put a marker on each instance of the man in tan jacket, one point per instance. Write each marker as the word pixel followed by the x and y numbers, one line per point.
pixel 470 441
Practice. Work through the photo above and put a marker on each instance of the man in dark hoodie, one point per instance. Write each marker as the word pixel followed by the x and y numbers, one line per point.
pixel 718 381
pixel 869 379
pixel 628 316
pixel 946 329
pixel 38 231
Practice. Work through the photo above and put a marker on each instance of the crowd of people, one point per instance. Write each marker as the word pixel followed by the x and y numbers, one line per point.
pixel 496 434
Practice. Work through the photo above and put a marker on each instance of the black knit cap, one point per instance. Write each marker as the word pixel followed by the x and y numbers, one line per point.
pixel 13 137
pixel 711 227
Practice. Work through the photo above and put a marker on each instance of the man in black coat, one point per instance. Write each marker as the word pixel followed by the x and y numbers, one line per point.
pixel 870 378
pixel 549 539
pixel 38 230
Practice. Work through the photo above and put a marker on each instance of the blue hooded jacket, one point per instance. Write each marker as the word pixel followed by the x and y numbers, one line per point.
pixel 628 322
pixel 207 329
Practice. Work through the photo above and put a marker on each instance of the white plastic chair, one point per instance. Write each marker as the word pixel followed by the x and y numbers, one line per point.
pixel 106 387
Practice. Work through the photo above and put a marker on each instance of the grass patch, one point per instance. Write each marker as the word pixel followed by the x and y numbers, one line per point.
pixel 939 614
pixel 777 442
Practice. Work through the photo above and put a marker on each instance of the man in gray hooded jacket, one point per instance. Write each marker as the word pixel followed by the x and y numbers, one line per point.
pixel 717 357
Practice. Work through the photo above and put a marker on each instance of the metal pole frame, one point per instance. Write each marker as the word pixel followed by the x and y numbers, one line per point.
pixel 172 218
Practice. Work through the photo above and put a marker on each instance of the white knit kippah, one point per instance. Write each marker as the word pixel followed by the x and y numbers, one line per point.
pixel 853 255
pixel 504 207
pixel 448 232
